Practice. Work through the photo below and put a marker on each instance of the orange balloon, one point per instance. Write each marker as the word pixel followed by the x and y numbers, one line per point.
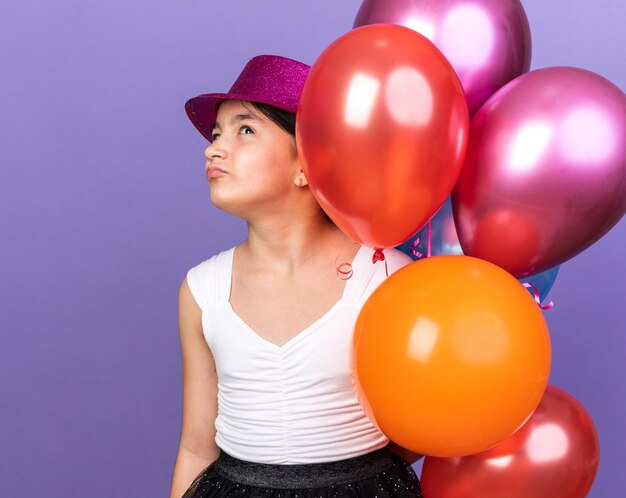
pixel 382 127
pixel 450 356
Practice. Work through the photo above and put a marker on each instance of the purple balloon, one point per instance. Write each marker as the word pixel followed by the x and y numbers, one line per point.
pixel 545 170
pixel 486 41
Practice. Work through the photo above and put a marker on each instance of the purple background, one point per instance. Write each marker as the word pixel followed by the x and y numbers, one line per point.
pixel 104 207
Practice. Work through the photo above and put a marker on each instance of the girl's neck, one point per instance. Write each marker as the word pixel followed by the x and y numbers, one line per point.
pixel 293 245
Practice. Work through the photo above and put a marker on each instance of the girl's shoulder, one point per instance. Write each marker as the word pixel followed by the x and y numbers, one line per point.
pixel 215 259
pixel 207 279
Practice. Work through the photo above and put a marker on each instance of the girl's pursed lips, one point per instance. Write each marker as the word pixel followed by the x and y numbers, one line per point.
pixel 213 171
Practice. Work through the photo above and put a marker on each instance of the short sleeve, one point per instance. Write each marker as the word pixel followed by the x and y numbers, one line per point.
pixel 209 281
pixel 196 278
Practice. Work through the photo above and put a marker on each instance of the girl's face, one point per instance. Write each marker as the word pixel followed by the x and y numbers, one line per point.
pixel 258 159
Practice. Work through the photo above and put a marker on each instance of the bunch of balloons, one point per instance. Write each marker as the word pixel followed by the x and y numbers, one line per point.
pixel 424 125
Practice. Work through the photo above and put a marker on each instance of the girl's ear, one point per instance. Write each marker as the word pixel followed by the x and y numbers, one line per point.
pixel 300 179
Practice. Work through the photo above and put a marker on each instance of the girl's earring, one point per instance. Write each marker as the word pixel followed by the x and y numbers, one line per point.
pixel 299 182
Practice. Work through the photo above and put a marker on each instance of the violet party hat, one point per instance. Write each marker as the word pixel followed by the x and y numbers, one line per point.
pixel 268 79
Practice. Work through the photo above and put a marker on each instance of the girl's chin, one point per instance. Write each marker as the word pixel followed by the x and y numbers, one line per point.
pixel 243 206
pixel 228 205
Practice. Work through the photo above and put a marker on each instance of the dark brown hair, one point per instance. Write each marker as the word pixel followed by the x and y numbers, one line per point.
pixel 284 119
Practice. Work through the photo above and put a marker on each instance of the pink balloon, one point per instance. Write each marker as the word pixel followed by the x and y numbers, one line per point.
pixel 487 41
pixel 545 171
pixel 554 454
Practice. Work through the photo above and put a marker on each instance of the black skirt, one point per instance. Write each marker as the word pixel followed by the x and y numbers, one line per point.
pixel 380 474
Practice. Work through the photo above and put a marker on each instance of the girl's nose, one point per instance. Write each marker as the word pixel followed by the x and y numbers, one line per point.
pixel 213 151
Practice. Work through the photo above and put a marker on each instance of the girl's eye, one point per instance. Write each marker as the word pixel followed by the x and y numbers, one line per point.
pixel 245 129
pixel 214 136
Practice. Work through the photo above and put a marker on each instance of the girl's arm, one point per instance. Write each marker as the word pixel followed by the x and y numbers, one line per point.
pixel 188 466
pixel 197 448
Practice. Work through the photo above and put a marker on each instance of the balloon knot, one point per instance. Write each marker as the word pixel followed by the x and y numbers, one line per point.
pixel 379 255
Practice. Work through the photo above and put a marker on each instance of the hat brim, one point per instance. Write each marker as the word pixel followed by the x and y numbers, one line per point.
pixel 202 110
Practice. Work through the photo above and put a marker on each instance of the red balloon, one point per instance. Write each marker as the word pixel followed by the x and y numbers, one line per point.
pixel 382 130
pixel 554 454
pixel 499 230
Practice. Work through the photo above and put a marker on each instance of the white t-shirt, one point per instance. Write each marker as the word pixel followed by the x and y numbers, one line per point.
pixel 294 403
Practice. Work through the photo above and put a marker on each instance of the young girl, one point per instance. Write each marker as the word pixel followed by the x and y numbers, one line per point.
pixel 269 405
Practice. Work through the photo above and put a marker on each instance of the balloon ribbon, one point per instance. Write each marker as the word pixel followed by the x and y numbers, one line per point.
pixel 430 244
pixel 379 255
pixel 537 298
pixel 341 273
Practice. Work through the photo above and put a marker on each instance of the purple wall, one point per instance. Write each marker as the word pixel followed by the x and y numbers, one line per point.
pixel 104 207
